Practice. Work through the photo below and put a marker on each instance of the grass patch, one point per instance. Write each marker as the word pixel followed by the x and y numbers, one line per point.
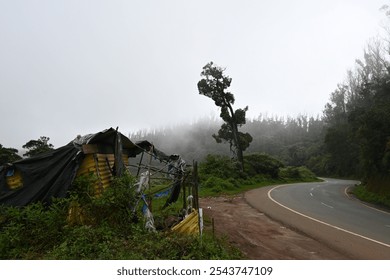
pixel 363 194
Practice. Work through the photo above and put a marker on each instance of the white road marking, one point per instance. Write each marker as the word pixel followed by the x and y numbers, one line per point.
pixel 311 194
pixel 327 205
pixel 321 222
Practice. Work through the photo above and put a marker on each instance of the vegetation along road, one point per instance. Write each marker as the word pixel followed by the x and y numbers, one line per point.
pixel 326 212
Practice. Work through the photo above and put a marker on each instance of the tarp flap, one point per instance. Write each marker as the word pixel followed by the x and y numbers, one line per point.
pixel 106 137
pixel 44 176
pixel 145 145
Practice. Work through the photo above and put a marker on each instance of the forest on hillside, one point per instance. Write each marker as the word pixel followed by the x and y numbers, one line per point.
pixel 294 141
pixel 350 139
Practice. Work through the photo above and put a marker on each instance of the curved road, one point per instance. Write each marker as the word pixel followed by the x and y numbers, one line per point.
pixel 326 212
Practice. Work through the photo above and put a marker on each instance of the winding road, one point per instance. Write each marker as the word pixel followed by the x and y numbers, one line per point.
pixel 325 211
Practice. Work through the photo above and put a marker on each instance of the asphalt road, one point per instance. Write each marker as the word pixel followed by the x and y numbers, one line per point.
pixel 327 213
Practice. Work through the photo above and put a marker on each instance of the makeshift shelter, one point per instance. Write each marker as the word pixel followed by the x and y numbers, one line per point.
pixel 50 174
pixel 104 154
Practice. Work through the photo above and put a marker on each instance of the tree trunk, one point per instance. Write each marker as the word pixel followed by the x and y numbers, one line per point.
pixel 233 124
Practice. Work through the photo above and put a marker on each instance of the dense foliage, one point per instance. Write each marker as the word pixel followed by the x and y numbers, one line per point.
pixel 357 120
pixel 8 155
pixel 108 230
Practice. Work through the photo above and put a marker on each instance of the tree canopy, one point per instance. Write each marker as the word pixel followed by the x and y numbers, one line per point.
pixel 39 146
pixel 8 155
pixel 215 84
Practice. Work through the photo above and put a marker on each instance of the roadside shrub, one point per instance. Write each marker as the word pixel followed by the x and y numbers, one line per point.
pixel 256 164
pixel 296 173
pixel 218 166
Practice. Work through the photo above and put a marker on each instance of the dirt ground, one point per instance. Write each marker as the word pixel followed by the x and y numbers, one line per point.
pixel 259 237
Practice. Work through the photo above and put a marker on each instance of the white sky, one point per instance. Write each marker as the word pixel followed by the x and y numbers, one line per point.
pixel 76 67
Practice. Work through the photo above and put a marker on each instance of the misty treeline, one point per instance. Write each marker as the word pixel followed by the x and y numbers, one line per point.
pixel 294 141
pixel 350 139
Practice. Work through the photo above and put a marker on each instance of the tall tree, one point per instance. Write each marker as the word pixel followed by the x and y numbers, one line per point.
pixel 39 146
pixel 358 121
pixel 8 155
pixel 214 84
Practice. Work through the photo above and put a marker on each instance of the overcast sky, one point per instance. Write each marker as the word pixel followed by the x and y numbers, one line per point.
pixel 77 67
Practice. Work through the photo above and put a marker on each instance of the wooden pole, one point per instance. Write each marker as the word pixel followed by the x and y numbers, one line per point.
pixel 140 163
pixel 149 182
pixel 184 192
pixel 195 190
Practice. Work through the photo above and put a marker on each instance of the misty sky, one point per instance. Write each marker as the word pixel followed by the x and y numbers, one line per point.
pixel 76 67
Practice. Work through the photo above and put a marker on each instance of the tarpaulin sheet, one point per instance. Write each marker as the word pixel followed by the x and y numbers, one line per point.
pixel 51 174
pixel 44 176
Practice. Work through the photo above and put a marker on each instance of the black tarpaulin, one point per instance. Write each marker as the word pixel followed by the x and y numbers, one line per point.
pixel 51 174
pixel 44 176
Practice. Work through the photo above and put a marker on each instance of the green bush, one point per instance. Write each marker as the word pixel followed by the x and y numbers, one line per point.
pixel 256 164
pixel 86 242
pixel 218 166
pixel 297 174
pixel 26 232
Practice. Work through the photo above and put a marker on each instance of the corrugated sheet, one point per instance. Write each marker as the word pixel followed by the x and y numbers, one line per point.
pixel 100 165
pixel 189 225
pixel 15 181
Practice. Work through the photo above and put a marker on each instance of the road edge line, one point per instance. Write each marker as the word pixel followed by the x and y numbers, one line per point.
pixel 362 202
pixel 322 222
